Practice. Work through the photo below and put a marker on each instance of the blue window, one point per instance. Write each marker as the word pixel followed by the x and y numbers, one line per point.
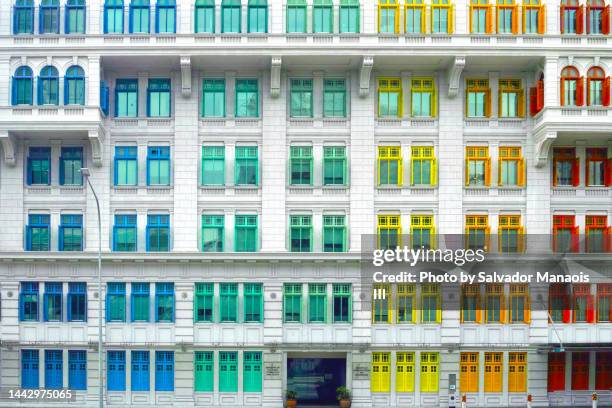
pixel 48 86
pixel 74 86
pixel 158 233
pixel 39 166
pixel 48 18
pixel 139 16
pixel 75 17
pixel 126 98
pixel 257 16
pixel 54 365
pixel 115 302
pixel 124 233
pixel 71 162
pixel 104 98
pixel 77 369
pixel 52 302
pixel 23 17
pixel 77 302
pixel 22 86
pixel 158 166
pixel 115 370
pixel 140 302
pixel 38 233
pixel 113 16
pixel 158 98
pixel 29 369
pixel 164 371
pixel 231 16
pixel 165 16
pixel 71 232
pixel 28 304
pixel 140 370
pixel 164 302
pixel 205 16
pixel 126 165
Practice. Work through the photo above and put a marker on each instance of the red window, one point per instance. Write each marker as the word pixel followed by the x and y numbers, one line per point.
pixel 604 302
pixel 558 303
pixel 597 233
pixel 565 234
pixel 598 17
pixel 536 98
pixel 598 87
pixel 572 87
pixel 572 17
pixel 597 167
pixel 580 371
pixel 582 304
pixel 603 370
pixel 566 167
pixel 556 372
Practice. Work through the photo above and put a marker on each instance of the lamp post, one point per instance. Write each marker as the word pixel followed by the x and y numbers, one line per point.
pixel 85 173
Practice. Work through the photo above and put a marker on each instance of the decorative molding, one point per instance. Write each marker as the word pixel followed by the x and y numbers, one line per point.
pixel 454 75
pixel 275 76
pixel 9 146
pixel 364 75
pixel 542 143
pixel 186 76
pixel 97 147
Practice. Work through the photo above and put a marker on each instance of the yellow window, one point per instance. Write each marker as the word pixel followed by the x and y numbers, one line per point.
pixel 511 171
pixel 414 17
pixel 382 306
pixel 390 98
pixel 520 309
pixel 480 17
pixel 510 234
pixel 381 372
pixel 493 372
pixel 470 304
pixel 477 232
pixel 406 303
pixel 422 231
pixel 424 170
pixel 423 97
pixel 468 372
pixel 431 303
pixel 534 17
pixel 517 372
pixel 390 166
pixel 389 231
pixel 494 303
pixel 477 166
pixel 478 98
pixel 404 369
pixel 511 97
pixel 429 372
pixel 388 16
pixel 507 17
pixel 442 17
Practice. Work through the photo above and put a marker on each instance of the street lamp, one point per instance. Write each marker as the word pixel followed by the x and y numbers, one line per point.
pixel 85 173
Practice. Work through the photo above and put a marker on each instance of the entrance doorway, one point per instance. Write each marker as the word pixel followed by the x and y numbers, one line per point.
pixel 315 379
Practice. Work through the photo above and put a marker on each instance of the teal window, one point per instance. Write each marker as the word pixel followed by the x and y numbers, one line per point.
pixel 342 302
pixel 246 233
pixel 115 302
pixel 126 166
pixel 317 302
pixel 165 16
pixel 334 165
pixel 113 16
pixel 38 235
pixel 48 86
pixel 124 233
pixel 231 11
pixel 301 165
pixel 251 372
pixel 349 16
pixel 247 98
pixel 204 371
pixel 228 302
pixel 213 98
pixel 158 166
pixel 322 16
pixel 158 233
pixel 334 98
pixel 301 98
pixel 71 232
pixel 75 17
pixel 257 16
pixel 23 17
pixel 158 98
pixel 296 16
pixel 74 86
pixel 126 98
pixel 52 302
pixel 139 16
pixel 253 302
pixel 213 165
pixel 204 302
pixel 228 371
pixel 140 302
pixel 205 16
pixel 334 233
pixel 301 233
pixel 22 89
pixel 164 302
pixel 49 16
pixel 28 302
pixel 213 227
pixel 292 302
pixel 246 165
pixel 39 166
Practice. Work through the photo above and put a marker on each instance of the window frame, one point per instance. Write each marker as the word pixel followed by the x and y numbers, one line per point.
pixel 508 224
pixel 204 299
pixel 167 10
pixel 158 155
pixel 474 155
pixel 125 223
pixel 216 222
pixel 38 222
pixel 386 88
pixel 23 25
pixel 70 222
pixel 301 224
pixel 22 94
pixel 140 363
pixel 140 290
pixel 75 9
pixel 162 89
pixel 477 86
pixel 391 226
pixel 74 84
pixel 165 290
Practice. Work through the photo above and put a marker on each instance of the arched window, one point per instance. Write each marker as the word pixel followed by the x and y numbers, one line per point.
pixel 139 16
pixel 74 86
pixel 23 17
pixel 22 86
pixel 165 16
pixel 48 86
pixel 572 17
pixel 598 87
pixel 49 17
pixel 598 17
pixel 572 87
pixel 113 16
pixel 75 17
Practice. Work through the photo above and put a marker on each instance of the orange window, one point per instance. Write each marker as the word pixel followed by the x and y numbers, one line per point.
pixel 597 17
pixel 572 17
pixel 604 302
pixel 493 372
pixel 597 167
pixel 517 372
pixel 558 303
pixel 565 234
pixel 582 304
pixel 566 167
pixel 495 304
pixel 572 87
pixel 580 371
pixel 598 87
pixel 597 233
pixel 468 379
pixel 520 307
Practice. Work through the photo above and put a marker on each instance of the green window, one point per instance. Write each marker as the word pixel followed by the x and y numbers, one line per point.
pixel 246 166
pixel 301 165
pixel 334 98
pixel 301 233
pixel 228 302
pixel 213 165
pixel 334 233
pixel 231 16
pixel 204 371
pixel 253 302
pixel 252 371
pixel 301 98
pixel 246 233
pixel 228 371
pixel 213 98
pixel 204 302
pixel 341 293
pixel 140 302
pixel 322 16
pixel 292 301
pixel 247 98
pixel 213 227
pixel 257 16
pixel 317 302
pixel 115 302
pixel 205 16
pixel 158 233
pixel 296 16
pixel 334 165
pixel 125 233
pixel 164 302
pixel 349 16
pixel 38 232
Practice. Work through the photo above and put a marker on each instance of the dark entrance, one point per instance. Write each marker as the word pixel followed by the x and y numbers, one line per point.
pixel 315 379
